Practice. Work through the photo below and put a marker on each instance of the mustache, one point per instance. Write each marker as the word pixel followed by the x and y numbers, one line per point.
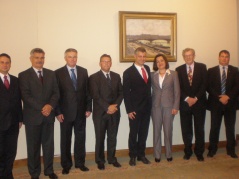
pixel 39 63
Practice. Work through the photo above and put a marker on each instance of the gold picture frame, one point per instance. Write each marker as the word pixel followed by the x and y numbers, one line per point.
pixel 154 31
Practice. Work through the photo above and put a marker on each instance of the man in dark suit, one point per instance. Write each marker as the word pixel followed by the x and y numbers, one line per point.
pixel 107 93
pixel 10 117
pixel 223 88
pixel 138 102
pixel 40 95
pixel 192 78
pixel 74 107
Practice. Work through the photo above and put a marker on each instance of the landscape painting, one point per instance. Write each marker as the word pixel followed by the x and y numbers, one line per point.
pixel 156 32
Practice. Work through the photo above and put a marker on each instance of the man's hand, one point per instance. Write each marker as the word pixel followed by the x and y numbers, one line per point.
pixel 20 125
pixel 224 99
pixel 174 111
pixel 191 101
pixel 87 114
pixel 112 109
pixel 132 115
pixel 60 118
pixel 46 110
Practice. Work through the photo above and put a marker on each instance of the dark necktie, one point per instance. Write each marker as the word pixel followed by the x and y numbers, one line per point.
pixel 190 75
pixel 108 79
pixel 6 82
pixel 144 75
pixel 40 77
pixel 223 81
pixel 73 78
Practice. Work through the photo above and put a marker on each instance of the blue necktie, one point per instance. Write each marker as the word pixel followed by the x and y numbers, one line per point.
pixel 73 78
pixel 223 81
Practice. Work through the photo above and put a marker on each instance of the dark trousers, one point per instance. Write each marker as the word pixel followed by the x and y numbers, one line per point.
pixel 189 119
pixel 216 120
pixel 101 127
pixel 78 125
pixel 8 150
pixel 138 134
pixel 37 136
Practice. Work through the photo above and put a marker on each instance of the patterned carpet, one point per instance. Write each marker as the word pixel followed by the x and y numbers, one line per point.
pixel 219 167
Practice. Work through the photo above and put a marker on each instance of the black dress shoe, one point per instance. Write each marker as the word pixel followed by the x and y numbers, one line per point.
pixel 101 166
pixel 157 160
pixel 233 155
pixel 200 158
pixel 210 154
pixel 65 171
pixel 116 164
pixel 186 157
pixel 144 160
pixel 52 176
pixel 170 159
pixel 83 168
pixel 132 162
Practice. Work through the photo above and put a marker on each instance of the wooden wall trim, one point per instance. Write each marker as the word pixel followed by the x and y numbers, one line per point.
pixel 124 153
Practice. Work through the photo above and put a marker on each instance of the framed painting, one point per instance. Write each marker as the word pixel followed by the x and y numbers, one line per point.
pixel 156 32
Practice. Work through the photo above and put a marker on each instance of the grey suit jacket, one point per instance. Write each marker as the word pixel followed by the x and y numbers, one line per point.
pixel 35 95
pixel 103 95
pixel 169 94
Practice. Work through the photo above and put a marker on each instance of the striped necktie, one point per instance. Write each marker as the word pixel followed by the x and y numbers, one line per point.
pixel 73 78
pixel 190 75
pixel 223 81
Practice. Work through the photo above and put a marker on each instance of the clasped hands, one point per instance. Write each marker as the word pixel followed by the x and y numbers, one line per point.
pixel 112 109
pixel 60 117
pixel 46 110
pixel 224 99
pixel 191 101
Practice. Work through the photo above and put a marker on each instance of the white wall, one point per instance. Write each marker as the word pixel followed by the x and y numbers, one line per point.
pixel 91 26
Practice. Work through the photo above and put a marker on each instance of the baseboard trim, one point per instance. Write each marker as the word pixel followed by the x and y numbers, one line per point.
pixel 123 153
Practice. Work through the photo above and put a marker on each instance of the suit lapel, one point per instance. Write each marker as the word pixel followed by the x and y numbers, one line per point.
pixel 218 76
pixel 165 81
pixel 79 78
pixel 35 77
pixel 156 80
pixel 139 75
pixel 185 74
pixel 67 77
pixel 104 80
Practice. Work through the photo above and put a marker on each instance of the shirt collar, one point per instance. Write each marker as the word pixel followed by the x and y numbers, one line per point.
pixel 2 76
pixel 192 65
pixel 36 70
pixel 138 67
pixel 221 67
pixel 69 68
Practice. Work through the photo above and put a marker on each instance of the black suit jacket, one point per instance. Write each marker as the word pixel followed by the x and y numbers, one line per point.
pixel 10 104
pixel 137 94
pixel 103 95
pixel 198 88
pixel 35 95
pixel 214 88
pixel 72 102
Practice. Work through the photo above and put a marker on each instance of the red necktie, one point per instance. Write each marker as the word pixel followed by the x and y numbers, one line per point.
pixel 144 75
pixel 40 76
pixel 6 82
